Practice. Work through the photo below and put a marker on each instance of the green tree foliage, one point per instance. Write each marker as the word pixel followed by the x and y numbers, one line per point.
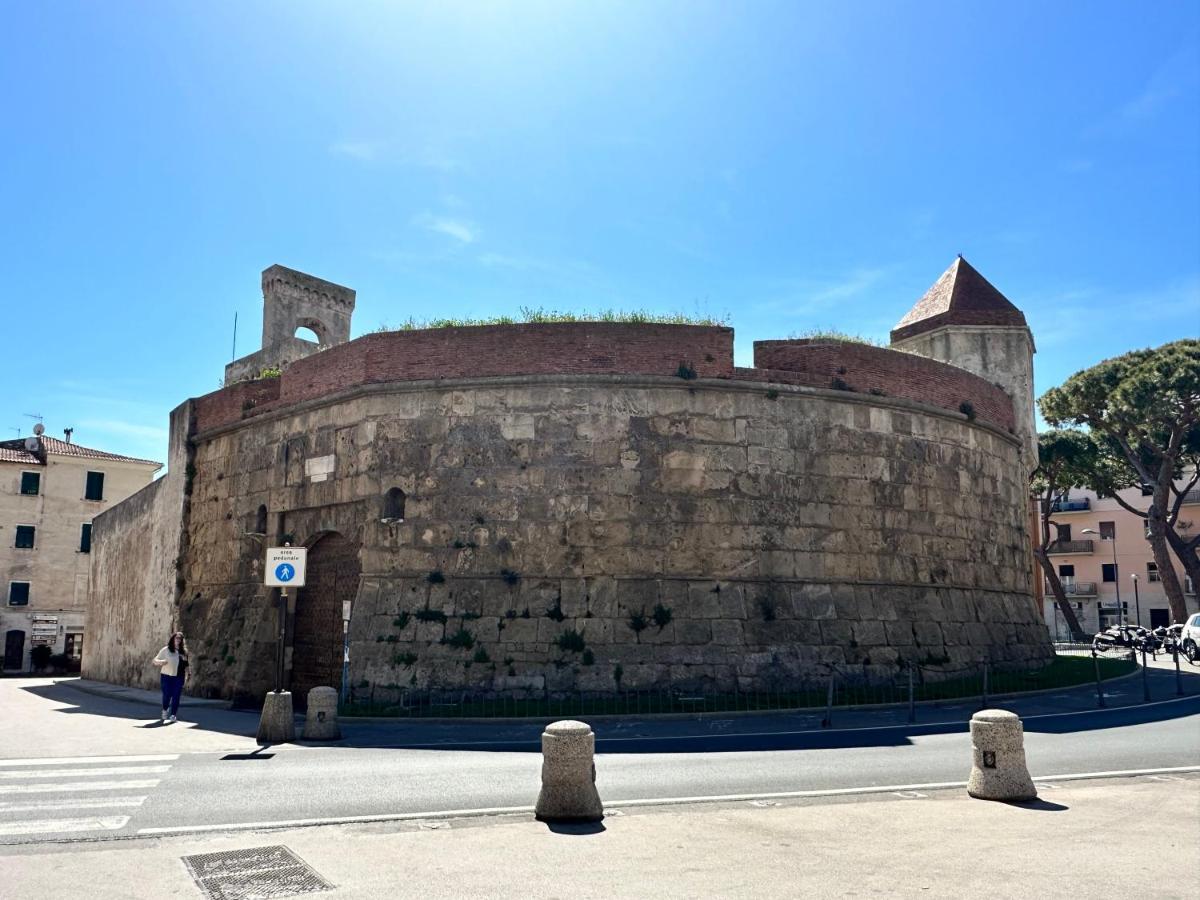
pixel 1143 410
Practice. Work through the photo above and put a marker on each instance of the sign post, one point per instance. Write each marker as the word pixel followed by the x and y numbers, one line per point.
pixel 346 604
pixel 285 568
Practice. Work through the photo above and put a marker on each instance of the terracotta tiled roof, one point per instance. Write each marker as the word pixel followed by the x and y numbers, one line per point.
pixel 14 451
pixel 960 297
pixel 17 454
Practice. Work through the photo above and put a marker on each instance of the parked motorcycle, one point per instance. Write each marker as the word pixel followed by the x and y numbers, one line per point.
pixel 1123 637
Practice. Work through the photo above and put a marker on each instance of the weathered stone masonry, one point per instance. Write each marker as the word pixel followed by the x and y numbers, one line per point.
pixel 580 513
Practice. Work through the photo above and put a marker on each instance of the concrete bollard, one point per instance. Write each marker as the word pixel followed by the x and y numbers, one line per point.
pixel 568 775
pixel 321 721
pixel 998 770
pixel 276 725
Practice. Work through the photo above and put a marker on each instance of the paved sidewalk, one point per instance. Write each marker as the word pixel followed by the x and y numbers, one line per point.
pixel 97 709
pixel 940 844
pixel 137 695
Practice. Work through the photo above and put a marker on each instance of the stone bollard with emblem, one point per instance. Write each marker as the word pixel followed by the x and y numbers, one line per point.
pixel 998 770
pixel 321 721
pixel 277 725
pixel 568 775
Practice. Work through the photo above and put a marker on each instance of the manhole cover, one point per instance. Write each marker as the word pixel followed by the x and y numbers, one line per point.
pixel 254 874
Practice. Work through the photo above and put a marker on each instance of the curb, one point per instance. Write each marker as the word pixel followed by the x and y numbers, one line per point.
pixel 132 695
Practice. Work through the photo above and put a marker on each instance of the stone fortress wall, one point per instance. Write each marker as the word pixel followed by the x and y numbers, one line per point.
pixel 601 506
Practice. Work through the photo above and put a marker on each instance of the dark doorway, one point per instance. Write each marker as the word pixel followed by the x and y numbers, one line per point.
pixel 1160 618
pixel 14 649
pixel 332 576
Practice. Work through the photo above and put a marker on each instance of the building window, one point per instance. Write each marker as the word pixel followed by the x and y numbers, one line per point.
pixel 74 648
pixel 1108 572
pixel 1066 571
pixel 18 593
pixel 1152 572
pixel 260 521
pixel 1064 532
pixel 25 537
pixel 1108 531
pixel 95 486
pixel 85 538
pixel 1147 490
pixel 31 482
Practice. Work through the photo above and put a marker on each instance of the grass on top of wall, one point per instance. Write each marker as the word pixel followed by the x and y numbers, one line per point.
pixel 1064 672
pixel 539 315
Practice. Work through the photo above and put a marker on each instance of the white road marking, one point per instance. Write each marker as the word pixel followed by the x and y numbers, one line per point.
pixel 83 760
pixel 79 803
pixel 87 773
pixel 616 805
pixel 45 826
pixel 70 786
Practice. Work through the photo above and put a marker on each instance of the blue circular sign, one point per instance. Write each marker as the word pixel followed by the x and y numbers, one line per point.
pixel 285 572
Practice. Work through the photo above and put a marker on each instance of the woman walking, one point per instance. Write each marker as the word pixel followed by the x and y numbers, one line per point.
pixel 172 660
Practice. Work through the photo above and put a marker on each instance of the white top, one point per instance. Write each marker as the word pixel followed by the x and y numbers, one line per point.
pixel 170 660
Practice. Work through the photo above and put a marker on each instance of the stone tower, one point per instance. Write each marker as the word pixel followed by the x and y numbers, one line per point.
pixel 963 320
pixel 293 300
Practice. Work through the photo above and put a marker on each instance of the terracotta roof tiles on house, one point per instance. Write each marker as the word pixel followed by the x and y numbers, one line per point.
pixel 14 451
pixel 960 297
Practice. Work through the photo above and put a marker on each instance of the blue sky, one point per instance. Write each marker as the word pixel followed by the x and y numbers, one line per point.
pixel 793 165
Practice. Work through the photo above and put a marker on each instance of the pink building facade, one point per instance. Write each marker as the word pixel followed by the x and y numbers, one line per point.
pixel 1101 553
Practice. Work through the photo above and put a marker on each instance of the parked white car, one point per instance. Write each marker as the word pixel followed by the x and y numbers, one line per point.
pixel 1190 639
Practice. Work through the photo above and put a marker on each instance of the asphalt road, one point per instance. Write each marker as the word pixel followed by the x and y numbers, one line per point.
pixel 86 798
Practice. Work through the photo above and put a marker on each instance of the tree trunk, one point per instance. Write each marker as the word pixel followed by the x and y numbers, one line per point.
pixel 1166 569
pixel 1186 552
pixel 1060 596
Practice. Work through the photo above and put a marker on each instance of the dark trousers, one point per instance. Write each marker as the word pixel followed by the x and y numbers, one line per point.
pixel 172 689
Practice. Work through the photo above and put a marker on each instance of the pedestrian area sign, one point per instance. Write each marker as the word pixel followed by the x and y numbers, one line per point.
pixel 285 566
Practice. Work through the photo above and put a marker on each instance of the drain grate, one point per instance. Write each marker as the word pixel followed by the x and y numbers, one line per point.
pixel 258 873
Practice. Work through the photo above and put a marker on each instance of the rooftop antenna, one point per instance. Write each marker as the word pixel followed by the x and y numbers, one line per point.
pixel 233 352
pixel 17 430
pixel 34 416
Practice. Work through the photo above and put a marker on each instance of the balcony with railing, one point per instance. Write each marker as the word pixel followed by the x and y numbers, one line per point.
pixel 1070 547
pixel 1083 504
pixel 1192 496
pixel 1076 588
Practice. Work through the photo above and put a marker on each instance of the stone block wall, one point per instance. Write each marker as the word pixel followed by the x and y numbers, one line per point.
pixel 571 532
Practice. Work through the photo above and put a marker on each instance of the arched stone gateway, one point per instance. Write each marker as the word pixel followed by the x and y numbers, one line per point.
pixel 333 569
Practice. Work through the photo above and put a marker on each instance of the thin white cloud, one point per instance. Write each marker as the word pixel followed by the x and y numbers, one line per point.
pixel 393 152
pixel 459 229
pixel 125 429
pixel 806 297
pixel 1056 319
pixel 366 151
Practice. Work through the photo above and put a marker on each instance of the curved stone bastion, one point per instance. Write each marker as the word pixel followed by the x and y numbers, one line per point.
pixel 581 507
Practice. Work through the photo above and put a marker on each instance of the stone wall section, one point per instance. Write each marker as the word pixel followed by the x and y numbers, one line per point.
pixel 566 533
pixel 138 550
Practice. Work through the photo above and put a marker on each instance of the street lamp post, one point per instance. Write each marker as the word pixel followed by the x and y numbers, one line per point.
pixel 1137 604
pixel 1116 574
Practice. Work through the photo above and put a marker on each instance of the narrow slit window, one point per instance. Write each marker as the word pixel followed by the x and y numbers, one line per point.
pixel 85 538
pixel 393 505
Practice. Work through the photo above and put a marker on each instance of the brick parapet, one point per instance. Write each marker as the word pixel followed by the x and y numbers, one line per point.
pixel 566 348
pixel 875 370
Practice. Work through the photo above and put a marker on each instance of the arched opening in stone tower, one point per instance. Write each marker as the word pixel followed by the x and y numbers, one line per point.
pixel 332 577
pixel 305 333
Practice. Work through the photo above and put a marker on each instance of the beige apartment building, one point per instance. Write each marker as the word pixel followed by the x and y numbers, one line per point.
pixel 1101 553
pixel 49 492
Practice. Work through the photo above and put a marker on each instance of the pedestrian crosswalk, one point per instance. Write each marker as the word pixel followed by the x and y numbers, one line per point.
pixel 75 795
